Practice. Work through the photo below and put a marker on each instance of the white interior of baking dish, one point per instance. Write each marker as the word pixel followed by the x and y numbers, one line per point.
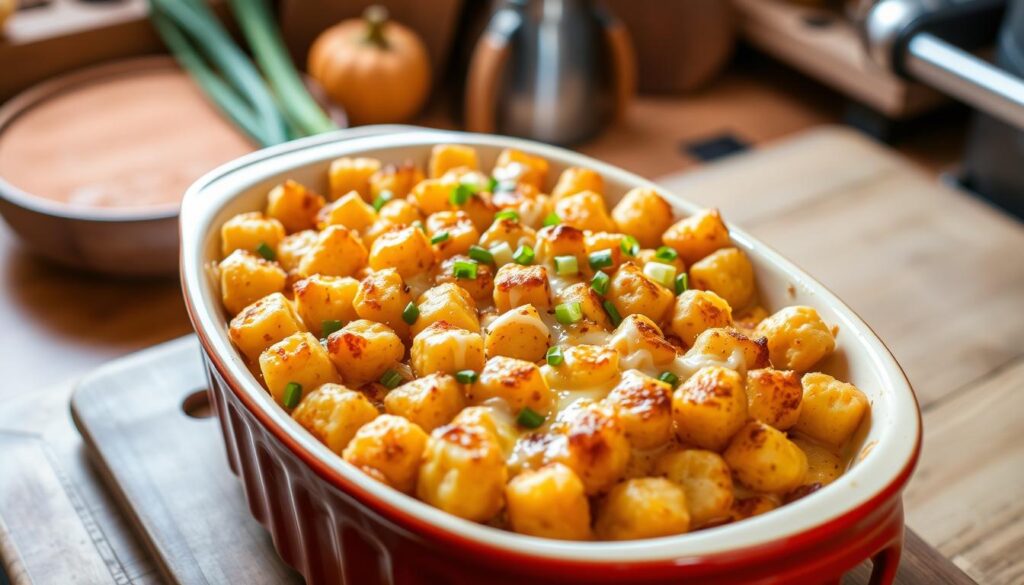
pixel 887 440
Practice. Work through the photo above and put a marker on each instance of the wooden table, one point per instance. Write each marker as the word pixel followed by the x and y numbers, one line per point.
pixel 937 274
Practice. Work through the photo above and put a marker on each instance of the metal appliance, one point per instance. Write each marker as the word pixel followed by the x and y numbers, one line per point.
pixel 932 41
pixel 551 70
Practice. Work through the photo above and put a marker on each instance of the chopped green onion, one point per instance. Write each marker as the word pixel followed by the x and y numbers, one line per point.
pixel 682 284
pixel 410 313
pixel 439 237
pixel 292 395
pixel 554 356
pixel 529 419
pixel 552 219
pixel 481 255
pixel 507 214
pixel 523 255
pixel 569 313
pixel 613 313
pixel 330 326
pixel 566 265
pixel 600 282
pixel 629 246
pixel 663 274
pixel 492 184
pixel 666 253
pixel 266 251
pixel 381 199
pixel 502 254
pixel 464 270
pixel 669 378
pixel 391 379
pixel 460 194
pixel 601 259
pixel 466 376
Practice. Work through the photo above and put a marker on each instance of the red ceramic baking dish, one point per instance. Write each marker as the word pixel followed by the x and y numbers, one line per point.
pixel 336 525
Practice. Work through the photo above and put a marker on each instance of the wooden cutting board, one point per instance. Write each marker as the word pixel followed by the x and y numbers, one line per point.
pixel 167 469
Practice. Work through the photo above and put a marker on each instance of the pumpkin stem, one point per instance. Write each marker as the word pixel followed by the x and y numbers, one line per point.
pixel 376 16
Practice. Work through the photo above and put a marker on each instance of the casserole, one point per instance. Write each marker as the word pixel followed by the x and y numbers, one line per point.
pixel 335 524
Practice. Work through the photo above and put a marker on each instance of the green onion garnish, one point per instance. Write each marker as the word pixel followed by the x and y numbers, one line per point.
pixel 529 419
pixel 460 194
pixel 613 313
pixel 292 395
pixel 663 274
pixel 330 326
pixel 481 255
pixel 464 270
pixel 682 284
pixel 601 259
pixel 554 356
pixel 552 219
pixel 507 214
pixel 439 237
pixel 466 376
pixel 666 253
pixel 266 251
pixel 492 184
pixel 501 253
pixel 669 378
pixel 523 255
pixel 600 282
pixel 391 379
pixel 566 265
pixel 569 313
pixel 381 199
pixel 629 246
pixel 410 313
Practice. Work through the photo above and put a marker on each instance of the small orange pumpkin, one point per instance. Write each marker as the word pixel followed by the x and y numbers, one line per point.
pixel 377 69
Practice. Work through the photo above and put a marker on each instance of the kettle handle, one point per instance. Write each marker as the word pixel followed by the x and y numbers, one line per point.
pixel 485 68
pixel 623 64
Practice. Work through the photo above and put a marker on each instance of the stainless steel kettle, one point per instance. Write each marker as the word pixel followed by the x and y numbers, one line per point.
pixel 551 70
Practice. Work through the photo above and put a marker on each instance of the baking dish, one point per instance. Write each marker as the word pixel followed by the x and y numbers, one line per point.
pixel 334 524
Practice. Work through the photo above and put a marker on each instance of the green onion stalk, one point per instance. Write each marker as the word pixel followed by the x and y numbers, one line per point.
pixel 222 95
pixel 198 22
pixel 301 110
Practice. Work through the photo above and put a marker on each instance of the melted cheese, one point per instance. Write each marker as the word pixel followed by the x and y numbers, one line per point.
pixel 523 318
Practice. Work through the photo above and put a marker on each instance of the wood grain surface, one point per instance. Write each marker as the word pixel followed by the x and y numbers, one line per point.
pixel 930 269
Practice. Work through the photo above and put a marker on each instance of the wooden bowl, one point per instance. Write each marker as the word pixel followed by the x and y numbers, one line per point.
pixel 137 128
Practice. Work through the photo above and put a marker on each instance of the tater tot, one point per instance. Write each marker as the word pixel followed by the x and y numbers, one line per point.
pixel 764 459
pixel 705 478
pixel 463 473
pixel 644 406
pixel 710 407
pixel 728 273
pixel 590 439
pixel 643 214
pixel 549 502
pixel 642 508
pixel 697 236
pixel 797 338
pixel 430 401
pixel 333 413
pixel 774 397
pixel 830 410
pixel 388 448
pixel 696 311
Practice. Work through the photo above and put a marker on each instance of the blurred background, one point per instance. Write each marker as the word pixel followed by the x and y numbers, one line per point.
pixel 876 142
